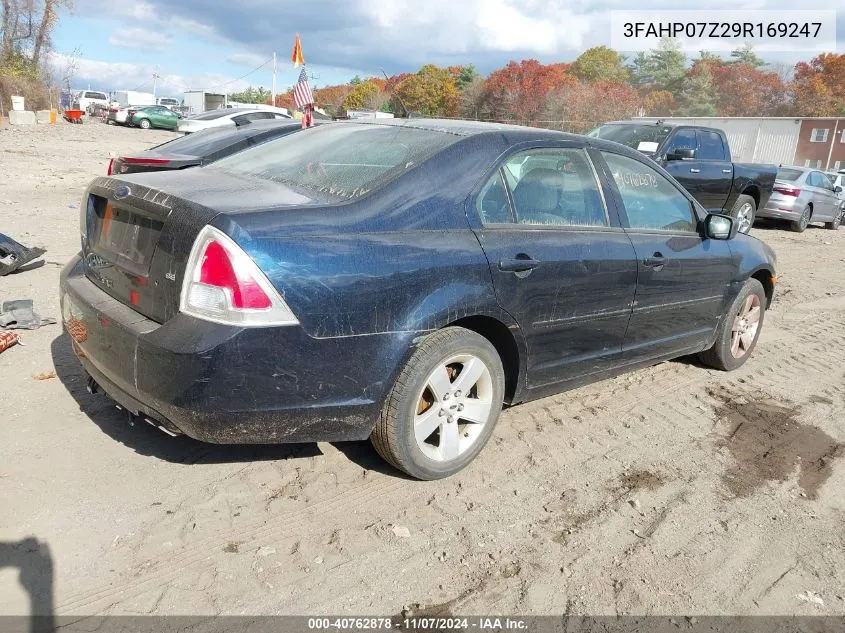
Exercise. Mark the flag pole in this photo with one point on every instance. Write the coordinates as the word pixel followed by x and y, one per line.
pixel 273 103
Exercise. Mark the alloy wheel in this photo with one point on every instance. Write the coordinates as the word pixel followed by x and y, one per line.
pixel 745 217
pixel 745 326
pixel 805 218
pixel 453 407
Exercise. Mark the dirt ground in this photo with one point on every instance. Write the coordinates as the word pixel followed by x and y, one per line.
pixel 672 490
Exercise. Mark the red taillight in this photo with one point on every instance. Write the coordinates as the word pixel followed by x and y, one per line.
pixel 787 190
pixel 217 270
pixel 129 160
pixel 110 170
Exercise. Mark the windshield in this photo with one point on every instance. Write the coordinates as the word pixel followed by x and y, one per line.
pixel 343 160
pixel 645 137
pixel 789 175
pixel 206 142
pixel 210 115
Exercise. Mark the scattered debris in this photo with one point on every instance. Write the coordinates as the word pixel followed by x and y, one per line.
pixel 7 340
pixel 811 598
pixel 634 503
pixel 232 548
pixel 45 375
pixel 20 315
pixel 14 255
pixel 401 531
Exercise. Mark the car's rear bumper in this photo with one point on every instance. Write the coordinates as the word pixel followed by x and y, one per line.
pixel 226 384
pixel 781 208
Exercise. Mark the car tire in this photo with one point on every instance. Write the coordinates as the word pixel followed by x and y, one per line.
pixel 144 124
pixel 834 226
pixel 744 212
pixel 422 431
pixel 739 329
pixel 800 225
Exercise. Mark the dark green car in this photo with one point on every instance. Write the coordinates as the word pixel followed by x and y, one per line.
pixel 153 116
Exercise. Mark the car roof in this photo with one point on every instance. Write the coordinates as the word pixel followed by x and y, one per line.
pixel 672 124
pixel 460 127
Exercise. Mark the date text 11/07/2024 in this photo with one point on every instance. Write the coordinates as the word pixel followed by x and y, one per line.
pixel 490 623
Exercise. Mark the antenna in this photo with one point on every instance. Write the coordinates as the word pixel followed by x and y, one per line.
pixel 393 94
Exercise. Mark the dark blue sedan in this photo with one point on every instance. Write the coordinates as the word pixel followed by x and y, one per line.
pixel 400 281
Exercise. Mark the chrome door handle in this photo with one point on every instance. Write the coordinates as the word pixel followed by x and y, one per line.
pixel 726 171
pixel 693 170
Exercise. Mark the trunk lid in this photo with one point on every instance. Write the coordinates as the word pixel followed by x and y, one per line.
pixel 138 229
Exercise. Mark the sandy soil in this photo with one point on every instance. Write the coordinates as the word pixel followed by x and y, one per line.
pixel 672 490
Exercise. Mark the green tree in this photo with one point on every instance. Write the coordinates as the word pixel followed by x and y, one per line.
pixel 698 93
pixel 464 76
pixel 355 80
pixel 251 95
pixel 746 55
pixel 600 63
pixel 663 68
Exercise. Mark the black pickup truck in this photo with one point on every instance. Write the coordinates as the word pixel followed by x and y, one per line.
pixel 700 159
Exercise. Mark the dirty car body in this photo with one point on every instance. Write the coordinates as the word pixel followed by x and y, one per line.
pixel 369 237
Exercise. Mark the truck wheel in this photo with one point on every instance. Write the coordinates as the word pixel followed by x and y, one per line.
pixel 144 124
pixel 744 211
pixel 800 225
pixel 739 330
pixel 444 405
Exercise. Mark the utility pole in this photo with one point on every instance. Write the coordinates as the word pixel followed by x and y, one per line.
pixel 273 93
pixel 156 77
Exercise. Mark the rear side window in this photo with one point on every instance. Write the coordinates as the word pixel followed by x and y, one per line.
pixel 553 187
pixel 651 201
pixel 710 145
pixel 789 175
pixel 341 160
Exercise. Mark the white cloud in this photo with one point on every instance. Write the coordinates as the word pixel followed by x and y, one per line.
pixel 250 60
pixel 140 39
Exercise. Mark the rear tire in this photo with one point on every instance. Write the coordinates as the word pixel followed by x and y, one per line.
pixel 744 212
pixel 739 329
pixel 144 124
pixel 800 225
pixel 422 430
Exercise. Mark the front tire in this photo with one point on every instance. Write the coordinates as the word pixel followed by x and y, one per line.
pixel 739 330
pixel 444 405
pixel 834 226
pixel 800 225
pixel 144 124
pixel 744 211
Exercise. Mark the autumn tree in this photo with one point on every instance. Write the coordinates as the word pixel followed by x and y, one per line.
pixel 745 90
pixel 366 95
pixel 464 75
pixel 819 86
pixel 579 107
pixel 431 92
pixel 519 90
pixel 600 63
pixel 660 103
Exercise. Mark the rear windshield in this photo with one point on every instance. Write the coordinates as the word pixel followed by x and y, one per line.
pixel 207 142
pixel 789 174
pixel 645 137
pixel 211 115
pixel 95 95
pixel 342 160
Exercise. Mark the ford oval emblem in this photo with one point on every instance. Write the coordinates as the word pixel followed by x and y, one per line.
pixel 122 192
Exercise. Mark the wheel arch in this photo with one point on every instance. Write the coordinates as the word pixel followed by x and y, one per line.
pixel 766 279
pixel 754 192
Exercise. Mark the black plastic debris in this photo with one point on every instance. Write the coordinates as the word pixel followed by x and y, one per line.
pixel 14 255
pixel 20 315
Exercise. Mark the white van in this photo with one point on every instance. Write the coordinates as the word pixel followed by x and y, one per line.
pixel 88 98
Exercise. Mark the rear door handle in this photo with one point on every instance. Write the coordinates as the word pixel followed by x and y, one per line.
pixel 656 261
pixel 726 171
pixel 518 264
pixel 693 170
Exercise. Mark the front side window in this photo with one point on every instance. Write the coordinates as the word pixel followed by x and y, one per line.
pixel 651 201
pixel 711 146
pixel 551 187
pixel 682 139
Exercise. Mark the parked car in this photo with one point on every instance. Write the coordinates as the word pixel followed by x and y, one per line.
pixel 838 180
pixel 399 280
pixel 230 117
pixel 153 116
pixel 86 99
pixel 169 102
pixel 803 195
pixel 700 159
pixel 202 148
pixel 117 114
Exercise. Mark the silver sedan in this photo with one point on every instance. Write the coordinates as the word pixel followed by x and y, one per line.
pixel 802 195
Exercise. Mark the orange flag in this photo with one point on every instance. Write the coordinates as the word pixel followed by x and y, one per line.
pixel 296 57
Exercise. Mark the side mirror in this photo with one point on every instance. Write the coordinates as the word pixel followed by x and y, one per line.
pixel 720 227
pixel 837 189
pixel 681 153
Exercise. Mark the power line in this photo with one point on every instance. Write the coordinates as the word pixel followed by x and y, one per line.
pixel 242 76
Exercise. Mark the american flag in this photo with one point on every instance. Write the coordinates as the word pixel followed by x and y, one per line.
pixel 302 91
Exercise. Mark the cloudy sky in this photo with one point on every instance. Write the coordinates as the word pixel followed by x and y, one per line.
pixel 218 44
